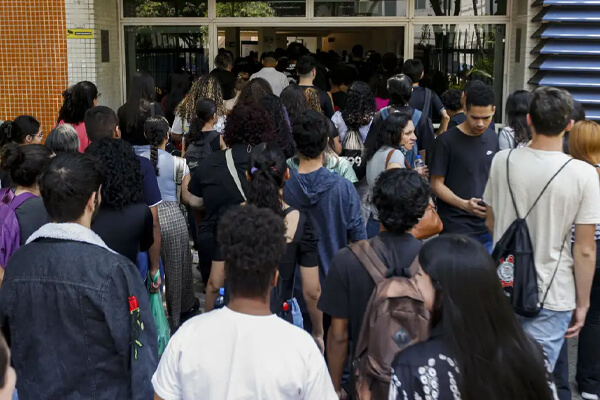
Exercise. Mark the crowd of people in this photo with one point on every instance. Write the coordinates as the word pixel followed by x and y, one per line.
pixel 348 247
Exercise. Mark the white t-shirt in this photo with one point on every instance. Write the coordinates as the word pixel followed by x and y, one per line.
pixel 573 197
pixel 225 355
pixel 182 127
pixel 340 124
pixel 276 79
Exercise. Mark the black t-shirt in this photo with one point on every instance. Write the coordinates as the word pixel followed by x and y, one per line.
pixel 31 216
pixel 227 81
pixel 349 286
pixel 324 99
pixel 301 251
pixel 423 130
pixel 339 99
pixel 134 133
pixel 417 100
pixel 464 161
pixel 212 182
pixel 126 231
pixel 461 117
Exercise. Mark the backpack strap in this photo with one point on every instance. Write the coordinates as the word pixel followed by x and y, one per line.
pixel 512 196
pixel 416 117
pixel 369 259
pixel 233 172
pixel 8 197
pixel 385 113
pixel 427 104
pixel 546 187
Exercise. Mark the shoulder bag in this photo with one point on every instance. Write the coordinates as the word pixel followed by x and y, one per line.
pixel 233 172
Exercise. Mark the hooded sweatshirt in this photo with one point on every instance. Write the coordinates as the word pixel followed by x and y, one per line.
pixel 334 208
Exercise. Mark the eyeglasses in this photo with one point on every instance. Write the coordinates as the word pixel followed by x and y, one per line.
pixel 40 134
pixel 99 95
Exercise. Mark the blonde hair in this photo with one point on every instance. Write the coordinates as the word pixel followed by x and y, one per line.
pixel 205 87
pixel 312 99
pixel 584 142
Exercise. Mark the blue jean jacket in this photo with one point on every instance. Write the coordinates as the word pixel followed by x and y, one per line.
pixel 65 307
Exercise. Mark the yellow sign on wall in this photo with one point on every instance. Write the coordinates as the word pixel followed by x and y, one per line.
pixel 80 33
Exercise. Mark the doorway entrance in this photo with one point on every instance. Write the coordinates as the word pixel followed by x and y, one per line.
pixel 241 41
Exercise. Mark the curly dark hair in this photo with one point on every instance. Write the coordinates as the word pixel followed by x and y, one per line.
pixel 249 124
pixel 283 130
pixel 294 100
pixel 76 101
pixel 360 105
pixel 252 243
pixel 254 91
pixel 401 196
pixel 122 183
pixel 451 99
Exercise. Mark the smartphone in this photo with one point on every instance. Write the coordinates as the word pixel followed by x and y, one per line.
pixel 482 203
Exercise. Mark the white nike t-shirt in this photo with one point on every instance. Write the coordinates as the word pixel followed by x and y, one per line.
pixel 225 355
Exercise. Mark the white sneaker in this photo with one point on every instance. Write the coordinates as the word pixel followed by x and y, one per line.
pixel 589 396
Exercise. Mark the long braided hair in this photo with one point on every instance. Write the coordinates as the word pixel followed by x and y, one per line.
pixel 205 87
pixel 156 129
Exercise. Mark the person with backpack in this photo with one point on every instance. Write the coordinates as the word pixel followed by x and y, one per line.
pixel 243 350
pixel 353 125
pixel 173 177
pixel 477 348
pixel 531 215
pixel 423 98
pixel 460 165
pixel 22 210
pixel 202 139
pixel 361 272
pixel 400 89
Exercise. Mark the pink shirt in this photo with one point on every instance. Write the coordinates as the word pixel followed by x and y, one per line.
pixel 381 103
pixel 84 142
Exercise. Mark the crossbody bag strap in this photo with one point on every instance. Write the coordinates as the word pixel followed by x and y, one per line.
pixel 233 172
pixel 388 158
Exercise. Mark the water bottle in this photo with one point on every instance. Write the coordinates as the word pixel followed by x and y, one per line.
pixel 220 300
pixel 419 164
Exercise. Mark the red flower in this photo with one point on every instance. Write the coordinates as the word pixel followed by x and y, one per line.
pixel 133 303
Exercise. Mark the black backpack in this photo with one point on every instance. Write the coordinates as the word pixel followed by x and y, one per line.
pixel 515 259
pixel 200 149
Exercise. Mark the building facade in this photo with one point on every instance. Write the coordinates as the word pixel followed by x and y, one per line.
pixel 512 44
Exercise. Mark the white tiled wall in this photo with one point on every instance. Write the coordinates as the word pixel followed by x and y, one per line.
pixel 84 55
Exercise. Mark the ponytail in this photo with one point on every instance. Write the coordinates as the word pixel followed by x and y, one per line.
pixel 16 131
pixel 267 170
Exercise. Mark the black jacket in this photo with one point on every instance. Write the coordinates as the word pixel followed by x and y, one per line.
pixel 65 307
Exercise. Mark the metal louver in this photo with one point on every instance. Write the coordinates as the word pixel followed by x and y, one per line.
pixel 568 52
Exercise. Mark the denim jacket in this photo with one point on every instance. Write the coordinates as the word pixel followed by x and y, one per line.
pixel 65 307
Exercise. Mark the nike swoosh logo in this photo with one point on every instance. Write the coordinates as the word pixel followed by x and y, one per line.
pixel 489 152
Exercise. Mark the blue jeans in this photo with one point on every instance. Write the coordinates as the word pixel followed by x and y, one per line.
pixel 486 240
pixel 548 328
